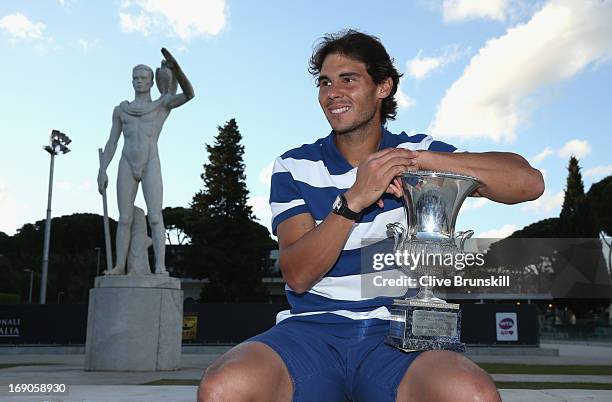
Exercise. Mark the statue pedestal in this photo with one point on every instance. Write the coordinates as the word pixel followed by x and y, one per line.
pixel 134 323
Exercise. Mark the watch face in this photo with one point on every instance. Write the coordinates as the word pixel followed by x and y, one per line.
pixel 337 204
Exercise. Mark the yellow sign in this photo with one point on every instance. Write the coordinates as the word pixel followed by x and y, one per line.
pixel 190 327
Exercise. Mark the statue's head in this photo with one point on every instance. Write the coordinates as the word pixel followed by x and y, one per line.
pixel 142 78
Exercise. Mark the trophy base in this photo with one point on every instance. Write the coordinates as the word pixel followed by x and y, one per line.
pixel 416 326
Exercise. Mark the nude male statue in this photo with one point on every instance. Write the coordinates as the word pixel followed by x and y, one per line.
pixel 141 122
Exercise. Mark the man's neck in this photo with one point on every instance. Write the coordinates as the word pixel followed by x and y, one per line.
pixel 357 145
pixel 142 97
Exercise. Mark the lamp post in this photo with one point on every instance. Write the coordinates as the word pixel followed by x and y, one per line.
pixel 58 142
pixel 31 271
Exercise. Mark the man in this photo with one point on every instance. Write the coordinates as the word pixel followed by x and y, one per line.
pixel 141 122
pixel 325 197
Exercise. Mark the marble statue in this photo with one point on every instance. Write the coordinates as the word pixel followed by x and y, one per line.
pixel 141 122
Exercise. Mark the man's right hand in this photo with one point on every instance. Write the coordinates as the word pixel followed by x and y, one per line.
pixel 102 182
pixel 376 175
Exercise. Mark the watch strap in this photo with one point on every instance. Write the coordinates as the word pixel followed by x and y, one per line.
pixel 345 211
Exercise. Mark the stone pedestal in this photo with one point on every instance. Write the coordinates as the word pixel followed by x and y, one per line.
pixel 134 323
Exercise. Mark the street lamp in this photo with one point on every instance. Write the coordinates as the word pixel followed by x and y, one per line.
pixel 31 271
pixel 58 142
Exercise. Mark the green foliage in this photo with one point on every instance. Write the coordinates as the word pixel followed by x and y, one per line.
pixel 176 220
pixel 72 257
pixel 9 298
pixel 225 192
pixel 581 218
pixel 574 189
pixel 599 203
pixel 576 218
pixel 228 247
pixel 546 228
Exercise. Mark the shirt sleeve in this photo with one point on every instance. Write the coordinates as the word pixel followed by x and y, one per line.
pixel 286 199
pixel 440 146
pixel 426 142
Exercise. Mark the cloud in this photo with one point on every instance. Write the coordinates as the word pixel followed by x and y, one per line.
pixel 499 233
pixel 265 176
pixel 87 45
pixel 546 203
pixel 135 23
pixel 65 185
pixel 474 203
pixel 421 66
pixel 186 19
pixel 261 209
pixel 404 101
pixel 460 10
pixel 546 152
pixel 577 148
pixel 599 171
pixel 19 27
pixel 494 95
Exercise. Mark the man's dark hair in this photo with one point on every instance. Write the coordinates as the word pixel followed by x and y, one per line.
pixel 364 48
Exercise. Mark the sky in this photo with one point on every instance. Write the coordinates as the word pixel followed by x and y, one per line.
pixel 531 77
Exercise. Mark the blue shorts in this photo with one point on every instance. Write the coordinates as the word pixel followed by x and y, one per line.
pixel 335 362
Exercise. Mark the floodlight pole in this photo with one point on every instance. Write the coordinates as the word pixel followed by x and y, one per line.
pixel 58 143
pixel 45 262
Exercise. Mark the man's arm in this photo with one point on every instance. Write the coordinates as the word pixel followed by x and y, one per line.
pixel 177 100
pixel 308 251
pixel 506 177
pixel 109 150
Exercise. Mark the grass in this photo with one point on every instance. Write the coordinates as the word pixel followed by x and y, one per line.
pixel 552 385
pixel 502 368
pixel 10 365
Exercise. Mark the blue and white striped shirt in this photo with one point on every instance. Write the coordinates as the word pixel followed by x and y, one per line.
pixel 308 179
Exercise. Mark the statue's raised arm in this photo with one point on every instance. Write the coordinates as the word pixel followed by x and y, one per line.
pixel 165 83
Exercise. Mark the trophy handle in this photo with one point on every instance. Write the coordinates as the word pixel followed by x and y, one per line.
pixel 398 232
pixel 463 236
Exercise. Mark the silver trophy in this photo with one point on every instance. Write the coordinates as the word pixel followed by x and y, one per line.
pixel 432 201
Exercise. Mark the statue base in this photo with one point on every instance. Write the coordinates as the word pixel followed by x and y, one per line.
pixel 134 324
pixel 419 325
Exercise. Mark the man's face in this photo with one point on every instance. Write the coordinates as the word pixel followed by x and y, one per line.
pixel 349 97
pixel 142 80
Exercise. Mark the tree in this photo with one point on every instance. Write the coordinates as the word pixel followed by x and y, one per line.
pixel 599 200
pixel 576 218
pixel 72 257
pixel 225 193
pixel 176 221
pixel 574 189
pixel 228 247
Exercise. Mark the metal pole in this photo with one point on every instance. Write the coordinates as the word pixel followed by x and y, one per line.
pixel 31 285
pixel 45 262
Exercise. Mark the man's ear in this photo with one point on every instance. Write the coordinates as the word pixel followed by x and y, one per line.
pixel 384 88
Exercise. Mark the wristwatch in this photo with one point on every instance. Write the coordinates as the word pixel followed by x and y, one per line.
pixel 340 207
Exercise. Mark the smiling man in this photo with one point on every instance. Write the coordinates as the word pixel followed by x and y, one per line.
pixel 325 197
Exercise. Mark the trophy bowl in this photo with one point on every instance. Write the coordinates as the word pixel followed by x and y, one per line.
pixel 431 201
